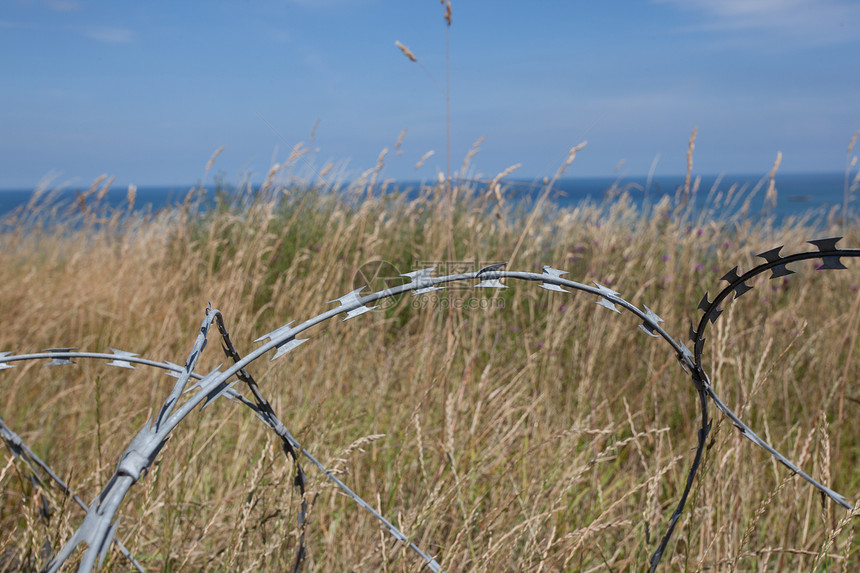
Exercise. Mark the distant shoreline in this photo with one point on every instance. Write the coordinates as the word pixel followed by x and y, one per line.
pixel 797 194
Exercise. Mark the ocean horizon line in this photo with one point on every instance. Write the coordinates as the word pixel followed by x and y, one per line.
pixel 798 194
pixel 536 180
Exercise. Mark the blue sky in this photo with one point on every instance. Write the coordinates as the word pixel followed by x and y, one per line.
pixel 146 91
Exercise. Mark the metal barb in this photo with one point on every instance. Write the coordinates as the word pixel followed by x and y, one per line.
pixel 422 277
pixel 490 268
pixel 686 357
pixel 699 346
pixel 606 303
pixel 772 255
pixel 120 355
pixel 4 365
pixel 358 311
pixel 59 361
pixel 425 290
pixel 552 287
pixel 731 277
pixel 289 345
pixel 704 304
pixel 222 389
pixel 780 271
pixel 604 293
pixel 604 290
pixel 555 273
pixel 277 332
pixel 490 283
pixel 708 307
pixel 831 263
pixel 350 299
pixel 174 370
pixel 204 381
pixel 826 245
pixel 649 325
pixel 741 289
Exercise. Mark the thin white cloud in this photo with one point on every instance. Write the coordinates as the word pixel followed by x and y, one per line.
pixel 815 21
pixel 110 35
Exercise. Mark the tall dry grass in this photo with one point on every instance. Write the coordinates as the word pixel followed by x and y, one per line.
pixel 546 435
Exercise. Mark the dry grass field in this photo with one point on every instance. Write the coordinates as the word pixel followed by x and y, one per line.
pixel 513 430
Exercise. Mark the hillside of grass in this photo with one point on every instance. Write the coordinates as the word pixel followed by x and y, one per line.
pixel 502 430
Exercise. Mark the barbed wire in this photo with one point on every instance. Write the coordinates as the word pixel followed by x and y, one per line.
pixel 99 527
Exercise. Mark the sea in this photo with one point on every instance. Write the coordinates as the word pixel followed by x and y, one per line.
pixel 813 195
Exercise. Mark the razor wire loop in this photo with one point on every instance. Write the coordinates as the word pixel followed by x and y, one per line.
pixel 830 260
pixel 737 283
pixel 21 451
pixel 97 530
